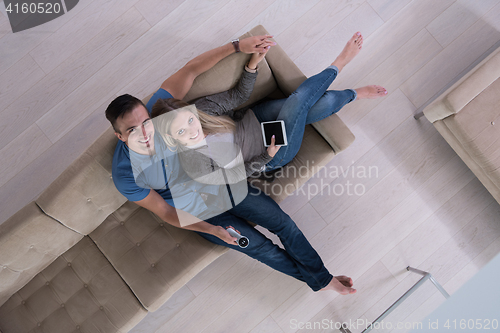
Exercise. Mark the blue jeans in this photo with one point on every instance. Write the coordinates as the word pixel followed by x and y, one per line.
pixel 311 102
pixel 298 259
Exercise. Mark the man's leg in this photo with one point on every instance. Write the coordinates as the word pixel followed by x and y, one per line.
pixel 260 247
pixel 262 210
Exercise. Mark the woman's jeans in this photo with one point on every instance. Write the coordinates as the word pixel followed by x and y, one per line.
pixel 311 102
pixel 298 260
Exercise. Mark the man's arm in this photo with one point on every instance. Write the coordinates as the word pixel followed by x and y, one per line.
pixel 179 83
pixel 155 203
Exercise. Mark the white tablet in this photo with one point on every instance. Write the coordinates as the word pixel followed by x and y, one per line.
pixel 276 128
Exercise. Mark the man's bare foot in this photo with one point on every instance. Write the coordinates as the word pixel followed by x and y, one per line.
pixel 341 284
pixel 351 49
pixel 371 92
pixel 345 280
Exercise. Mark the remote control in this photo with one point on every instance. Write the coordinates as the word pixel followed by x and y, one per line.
pixel 242 240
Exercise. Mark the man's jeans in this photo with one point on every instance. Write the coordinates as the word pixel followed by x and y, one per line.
pixel 311 102
pixel 298 260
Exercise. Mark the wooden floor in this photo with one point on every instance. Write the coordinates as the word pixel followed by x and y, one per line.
pixel 398 196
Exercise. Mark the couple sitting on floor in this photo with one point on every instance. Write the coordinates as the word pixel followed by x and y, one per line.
pixel 188 164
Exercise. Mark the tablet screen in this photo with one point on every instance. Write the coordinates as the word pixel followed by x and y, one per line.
pixel 274 128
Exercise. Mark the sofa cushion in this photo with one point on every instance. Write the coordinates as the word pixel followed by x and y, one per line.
pixel 476 127
pixel 79 292
pixel 29 242
pixel 333 130
pixel 84 194
pixel 153 257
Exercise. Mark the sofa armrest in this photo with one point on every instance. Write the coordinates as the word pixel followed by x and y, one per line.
pixel 466 89
pixel 335 132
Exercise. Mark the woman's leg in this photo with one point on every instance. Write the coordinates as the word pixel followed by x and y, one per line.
pixel 296 107
pixel 294 113
pixel 311 102
pixel 331 102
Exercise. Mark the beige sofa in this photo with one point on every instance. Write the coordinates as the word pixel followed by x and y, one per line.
pixel 468 117
pixel 81 258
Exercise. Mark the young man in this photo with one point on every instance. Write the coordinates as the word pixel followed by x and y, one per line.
pixel 133 126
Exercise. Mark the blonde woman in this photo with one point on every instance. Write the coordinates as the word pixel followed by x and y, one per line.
pixel 197 129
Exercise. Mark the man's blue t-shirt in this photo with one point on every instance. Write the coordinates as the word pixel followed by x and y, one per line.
pixel 123 175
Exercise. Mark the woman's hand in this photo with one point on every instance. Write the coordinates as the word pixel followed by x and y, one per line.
pixel 257 57
pixel 225 236
pixel 273 149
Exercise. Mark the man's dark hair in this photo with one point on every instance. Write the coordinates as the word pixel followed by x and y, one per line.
pixel 119 107
pixel 164 105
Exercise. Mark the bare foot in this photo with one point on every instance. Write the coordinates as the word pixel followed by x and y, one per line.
pixel 351 49
pixel 341 284
pixel 345 280
pixel 371 92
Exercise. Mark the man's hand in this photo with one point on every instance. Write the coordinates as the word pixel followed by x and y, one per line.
pixel 256 44
pixel 225 236
pixel 273 149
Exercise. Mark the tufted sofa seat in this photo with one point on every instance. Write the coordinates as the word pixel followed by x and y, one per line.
pixel 29 242
pixel 81 258
pixel 153 257
pixel 79 292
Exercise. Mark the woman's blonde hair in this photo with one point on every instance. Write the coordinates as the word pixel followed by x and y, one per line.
pixel 165 111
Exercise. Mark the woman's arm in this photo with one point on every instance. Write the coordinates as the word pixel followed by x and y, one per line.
pixel 257 163
pixel 223 103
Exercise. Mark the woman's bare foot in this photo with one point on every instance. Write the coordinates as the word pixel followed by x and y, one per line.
pixel 351 49
pixel 371 92
pixel 341 284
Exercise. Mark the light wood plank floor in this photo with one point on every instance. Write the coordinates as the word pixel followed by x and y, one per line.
pixel 412 201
